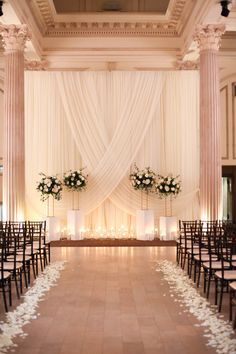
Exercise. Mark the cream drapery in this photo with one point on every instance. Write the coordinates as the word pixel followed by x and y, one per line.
pixel 106 121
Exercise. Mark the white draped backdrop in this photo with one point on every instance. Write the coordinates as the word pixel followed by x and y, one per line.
pixel 105 121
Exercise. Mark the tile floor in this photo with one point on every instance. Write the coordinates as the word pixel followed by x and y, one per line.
pixel 110 301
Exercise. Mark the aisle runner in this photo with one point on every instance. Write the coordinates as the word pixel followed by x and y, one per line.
pixel 26 311
pixel 217 330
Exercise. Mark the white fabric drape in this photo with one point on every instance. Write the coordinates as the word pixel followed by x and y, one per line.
pixel 106 121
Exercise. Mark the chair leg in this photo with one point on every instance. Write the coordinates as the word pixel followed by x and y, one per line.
pixel 199 274
pixel 221 295
pixel 9 291
pixel 204 284
pixel 208 284
pixel 4 295
pixel 230 305
pixel 33 265
pixel 216 291
pixel 17 289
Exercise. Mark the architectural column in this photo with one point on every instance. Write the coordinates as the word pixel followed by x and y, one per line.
pixel 208 38
pixel 14 38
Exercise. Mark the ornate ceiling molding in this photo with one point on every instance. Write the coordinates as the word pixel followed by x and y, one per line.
pixel 105 25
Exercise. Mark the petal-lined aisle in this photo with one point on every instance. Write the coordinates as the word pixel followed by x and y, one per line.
pixel 111 300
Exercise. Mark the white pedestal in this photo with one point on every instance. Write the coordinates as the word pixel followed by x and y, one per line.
pixel 168 228
pixel 145 225
pixel 75 224
pixel 53 228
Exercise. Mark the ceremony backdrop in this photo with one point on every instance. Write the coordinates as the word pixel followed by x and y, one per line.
pixel 106 121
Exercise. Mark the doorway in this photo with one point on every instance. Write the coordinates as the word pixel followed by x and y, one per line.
pixel 228 193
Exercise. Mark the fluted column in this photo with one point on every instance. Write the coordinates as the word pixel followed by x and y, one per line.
pixel 208 38
pixel 14 38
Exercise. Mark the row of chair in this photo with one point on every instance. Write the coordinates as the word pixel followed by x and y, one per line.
pixel 208 249
pixel 23 248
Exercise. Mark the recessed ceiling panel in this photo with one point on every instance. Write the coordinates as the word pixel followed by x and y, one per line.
pixel 73 6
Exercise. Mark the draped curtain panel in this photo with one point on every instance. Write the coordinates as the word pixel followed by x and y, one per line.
pixel 105 121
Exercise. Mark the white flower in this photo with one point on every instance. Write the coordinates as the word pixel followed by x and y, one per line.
pixel 173 189
pixel 167 188
pixel 160 187
pixel 148 181
pixel 138 182
pixel 146 175
pixel 78 183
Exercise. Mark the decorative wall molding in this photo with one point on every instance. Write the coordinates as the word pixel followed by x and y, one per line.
pixel 233 118
pixel 226 117
pixel 187 65
pixel 36 65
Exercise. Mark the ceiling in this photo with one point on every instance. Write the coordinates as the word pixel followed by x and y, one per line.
pixel 119 34
pixel 74 6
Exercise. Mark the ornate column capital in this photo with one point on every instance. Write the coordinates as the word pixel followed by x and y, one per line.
pixel 208 37
pixel 14 37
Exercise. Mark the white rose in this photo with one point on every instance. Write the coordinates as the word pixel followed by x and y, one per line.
pixel 173 189
pixel 73 174
pixel 78 183
pixel 72 183
pixel 146 175
pixel 72 178
pixel 177 185
pixel 167 188
pixel 174 183
pixel 138 182
pixel 82 178
pixel 148 181
pixel 160 187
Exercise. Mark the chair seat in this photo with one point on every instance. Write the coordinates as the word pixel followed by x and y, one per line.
pixel 233 285
pixel 216 265
pixel 10 265
pixel 29 251
pixel 19 258
pixel 205 257
pixel 5 275
pixel 228 275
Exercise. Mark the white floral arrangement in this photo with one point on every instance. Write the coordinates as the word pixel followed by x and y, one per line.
pixel 168 185
pixel 142 179
pixel 49 185
pixel 75 180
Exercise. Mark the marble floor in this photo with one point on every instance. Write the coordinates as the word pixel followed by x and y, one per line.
pixel 110 300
